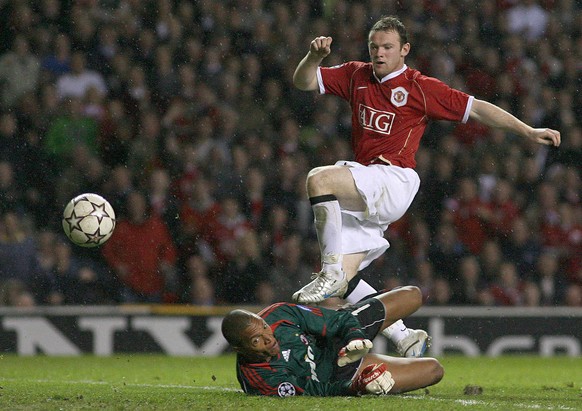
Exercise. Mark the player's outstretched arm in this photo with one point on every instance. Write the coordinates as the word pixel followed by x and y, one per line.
pixel 305 76
pixel 494 116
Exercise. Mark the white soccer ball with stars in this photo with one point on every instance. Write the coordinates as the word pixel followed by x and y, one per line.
pixel 88 220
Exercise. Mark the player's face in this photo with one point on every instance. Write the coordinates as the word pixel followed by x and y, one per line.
pixel 386 52
pixel 258 341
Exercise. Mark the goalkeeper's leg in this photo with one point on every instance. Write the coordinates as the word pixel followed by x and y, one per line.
pixel 409 374
pixel 408 342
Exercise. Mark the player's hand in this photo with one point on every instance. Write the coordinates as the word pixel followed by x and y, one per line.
pixel 546 136
pixel 374 379
pixel 352 352
pixel 320 47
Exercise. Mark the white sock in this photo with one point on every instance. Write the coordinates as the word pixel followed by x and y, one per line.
pixel 396 332
pixel 362 290
pixel 328 226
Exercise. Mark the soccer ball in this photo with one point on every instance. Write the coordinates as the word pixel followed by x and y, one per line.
pixel 88 220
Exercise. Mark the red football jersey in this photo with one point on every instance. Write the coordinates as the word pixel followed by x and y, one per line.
pixel 389 117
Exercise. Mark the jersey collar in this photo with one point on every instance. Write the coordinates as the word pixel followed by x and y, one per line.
pixel 391 75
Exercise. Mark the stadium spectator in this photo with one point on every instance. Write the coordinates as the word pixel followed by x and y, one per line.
pixel 274 230
pixel 531 294
pixel 573 296
pixel 570 246
pixel 11 191
pixel 242 273
pixel 17 249
pixel 502 211
pixel 10 140
pixel 254 195
pixel 424 280
pixel 446 251
pixel 466 289
pixel 76 281
pixel 470 215
pixel 522 247
pixel 142 254
pixel 302 347
pixel 247 82
pixel 229 168
pixel 439 185
pixel 165 76
pixel 69 130
pixel 19 72
pixel 43 262
pixel 545 212
pixel 138 93
pixel 289 268
pixel 224 231
pixel 441 293
pixel 549 278
pixel 490 260
pixel 78 174
pixel 58 61
pixel 507 289
pixel 527 18
pixel 80 79
pixel 161 199
pixel 115 134
pixel 145 150
pixel 15 293
pixel 200 288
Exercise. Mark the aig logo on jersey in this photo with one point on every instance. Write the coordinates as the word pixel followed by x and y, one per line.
pixel 375 120
pixel 399 96
pixel 286 389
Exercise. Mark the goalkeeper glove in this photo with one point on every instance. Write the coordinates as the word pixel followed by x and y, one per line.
pixel 374 379
pixel 352 352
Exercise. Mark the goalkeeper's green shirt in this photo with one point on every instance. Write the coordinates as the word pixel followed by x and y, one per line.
pixel 310 339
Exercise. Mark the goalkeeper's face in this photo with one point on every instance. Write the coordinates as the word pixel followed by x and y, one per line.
pixel 258 342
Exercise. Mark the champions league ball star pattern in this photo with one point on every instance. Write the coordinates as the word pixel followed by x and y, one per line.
pixel 88 220
pixel 286 389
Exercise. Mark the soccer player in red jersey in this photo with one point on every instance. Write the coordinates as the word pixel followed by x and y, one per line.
pixel 355 201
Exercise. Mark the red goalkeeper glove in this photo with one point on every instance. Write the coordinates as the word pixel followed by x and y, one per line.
pixel 374 379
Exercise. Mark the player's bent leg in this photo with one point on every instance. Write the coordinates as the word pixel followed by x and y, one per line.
pixel 400 303
pixel 409 374
pixel 336 180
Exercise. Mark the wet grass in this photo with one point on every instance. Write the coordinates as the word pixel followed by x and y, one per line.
pixel 157 382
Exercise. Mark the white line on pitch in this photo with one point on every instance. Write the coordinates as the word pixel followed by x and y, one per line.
pixel 127 384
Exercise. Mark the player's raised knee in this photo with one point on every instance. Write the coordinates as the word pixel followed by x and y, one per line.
pixel 318 179
pixel 436 370
pixel 413 293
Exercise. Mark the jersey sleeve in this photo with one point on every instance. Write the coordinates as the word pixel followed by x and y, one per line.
pixel 318 321
pixel 443 102
pixel 263 380
pixel 336 80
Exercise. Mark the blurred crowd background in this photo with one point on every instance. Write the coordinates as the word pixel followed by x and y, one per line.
pixel 182 114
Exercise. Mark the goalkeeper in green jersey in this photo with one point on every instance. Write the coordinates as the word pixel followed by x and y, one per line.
pixel 292 349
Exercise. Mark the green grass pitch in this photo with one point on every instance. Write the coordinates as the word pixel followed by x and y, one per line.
pixel 157 382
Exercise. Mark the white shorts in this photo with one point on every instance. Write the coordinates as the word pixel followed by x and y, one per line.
pixel 388 192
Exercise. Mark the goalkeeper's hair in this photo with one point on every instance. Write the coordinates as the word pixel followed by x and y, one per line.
pixel 233 325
